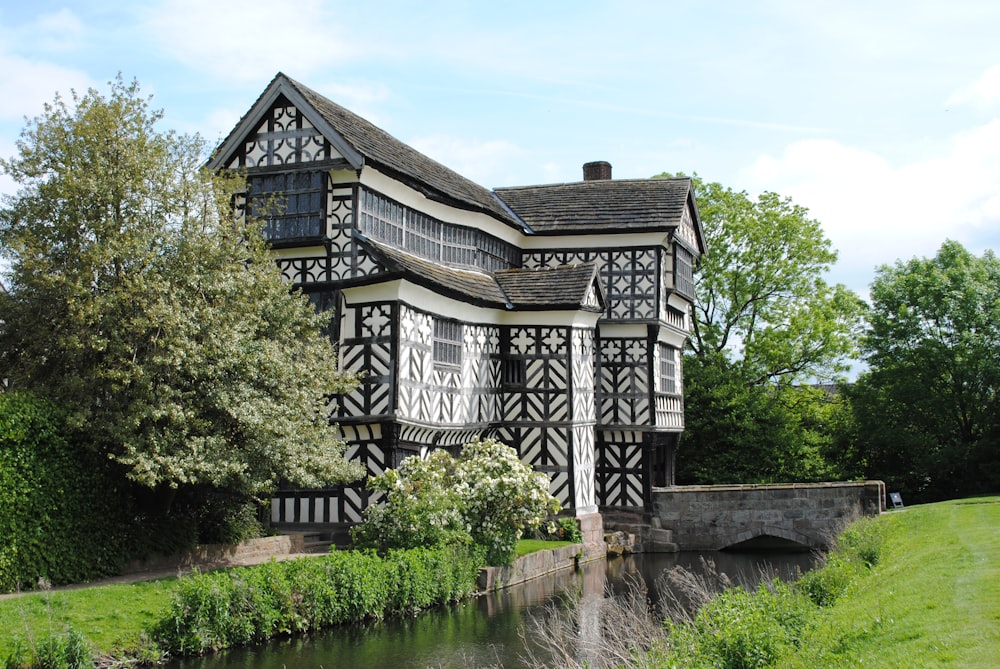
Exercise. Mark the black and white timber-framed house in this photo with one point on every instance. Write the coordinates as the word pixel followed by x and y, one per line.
pixel 551 317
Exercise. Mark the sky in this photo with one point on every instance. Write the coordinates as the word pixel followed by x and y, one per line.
pixel 882 117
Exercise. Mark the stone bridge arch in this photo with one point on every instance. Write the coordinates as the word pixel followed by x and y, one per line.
pixel 788 535
pixel 717 517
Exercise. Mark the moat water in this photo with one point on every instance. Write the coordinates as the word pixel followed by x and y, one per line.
pixel 494 630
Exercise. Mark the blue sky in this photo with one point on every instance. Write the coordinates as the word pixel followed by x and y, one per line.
pixel 880 116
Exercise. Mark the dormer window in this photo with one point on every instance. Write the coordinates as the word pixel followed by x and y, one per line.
pixel 291 204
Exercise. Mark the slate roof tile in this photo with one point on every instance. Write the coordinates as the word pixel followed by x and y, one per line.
pixel 600 206
pixel 383 149
pixel 564 287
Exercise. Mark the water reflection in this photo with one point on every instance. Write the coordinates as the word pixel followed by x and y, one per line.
pixel 488 631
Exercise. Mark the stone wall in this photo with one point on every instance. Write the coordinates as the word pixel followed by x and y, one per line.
pixel 214 556
pixel 539 563
pixel 716 517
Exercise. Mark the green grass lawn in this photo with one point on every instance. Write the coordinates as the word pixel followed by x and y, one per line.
pixel 932 601
pixel 525 546
pixel 109 616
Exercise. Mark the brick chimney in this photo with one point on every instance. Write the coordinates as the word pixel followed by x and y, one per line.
pixel 599 170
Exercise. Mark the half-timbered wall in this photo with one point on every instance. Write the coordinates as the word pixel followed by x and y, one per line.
pixel 368 348
pixel 583 392
pixel 623 381
pixel 630 276
pixel 284 137
pixel 548 406
pixel 618 469
pixel 449 371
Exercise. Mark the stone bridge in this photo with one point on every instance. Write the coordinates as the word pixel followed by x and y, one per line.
pixel 792 515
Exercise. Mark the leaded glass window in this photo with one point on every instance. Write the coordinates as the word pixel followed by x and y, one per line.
pixel 447 345
pixel 291 204
pixel 684 271
pixel 432 239
pixel 667 372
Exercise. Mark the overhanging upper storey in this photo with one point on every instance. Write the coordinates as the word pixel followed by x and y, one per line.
pixel 570 287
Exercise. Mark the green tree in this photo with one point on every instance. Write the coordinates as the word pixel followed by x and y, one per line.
pixel 761 295
pixel 744 432
pixel 765 322
pixel 138 303
pixel 927 411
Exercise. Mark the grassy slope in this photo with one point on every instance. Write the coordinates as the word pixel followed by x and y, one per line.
pixel 932 601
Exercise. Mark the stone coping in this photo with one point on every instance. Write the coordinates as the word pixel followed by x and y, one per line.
pixel 768 486
pixel 531 566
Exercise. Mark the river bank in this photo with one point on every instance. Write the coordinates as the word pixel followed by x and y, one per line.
pixel 931 599
pixel 917 587
pixel 114 616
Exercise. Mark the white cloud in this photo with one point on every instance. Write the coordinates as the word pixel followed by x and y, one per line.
pixel 60 31
pixel 243 40
pixel 875 212
pixel 35 83
pixel 984 93
pixel 487 163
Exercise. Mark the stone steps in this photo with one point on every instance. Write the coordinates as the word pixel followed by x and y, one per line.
pixel 625 538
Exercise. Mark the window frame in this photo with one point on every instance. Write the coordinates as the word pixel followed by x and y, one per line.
pixel 447 345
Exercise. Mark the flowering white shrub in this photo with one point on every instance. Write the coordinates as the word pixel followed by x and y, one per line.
pixel 421 506
pixel 486 496
pixel 501 496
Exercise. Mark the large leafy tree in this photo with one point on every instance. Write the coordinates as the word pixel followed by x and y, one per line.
pixel 138 303
pixel 762 298
pixel 765 322
pixel 927 411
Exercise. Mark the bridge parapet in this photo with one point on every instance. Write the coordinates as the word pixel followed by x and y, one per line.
pixel 809 514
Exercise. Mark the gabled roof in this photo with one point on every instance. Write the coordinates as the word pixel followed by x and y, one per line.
pixel 561 288
pixel 361 142
pixel 601 205
pixel 566 286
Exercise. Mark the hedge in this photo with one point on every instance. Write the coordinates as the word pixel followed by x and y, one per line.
pixel 61 518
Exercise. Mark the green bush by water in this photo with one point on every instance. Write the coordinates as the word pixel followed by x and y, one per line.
pixel 238 607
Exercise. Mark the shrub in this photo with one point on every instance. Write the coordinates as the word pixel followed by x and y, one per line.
pixel 62 518
pixel 500 497
pixel 421 506
pixel 221 610
pixel 486 496
pixel 741 629
pixel 857 548
pixel 560 529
